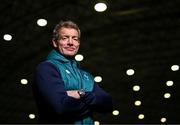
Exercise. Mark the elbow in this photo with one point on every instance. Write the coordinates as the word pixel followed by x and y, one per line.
pixel 103 104
pixel 67 105
pixel 60 106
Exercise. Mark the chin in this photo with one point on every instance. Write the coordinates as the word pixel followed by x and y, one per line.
pixel 69 54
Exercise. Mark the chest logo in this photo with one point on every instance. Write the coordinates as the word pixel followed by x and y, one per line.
pixel 67 71
pixel 86 77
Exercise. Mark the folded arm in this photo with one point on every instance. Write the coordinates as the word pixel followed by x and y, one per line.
pixel 49 87
pixel 98 100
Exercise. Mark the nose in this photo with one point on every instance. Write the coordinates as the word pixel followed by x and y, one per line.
pixel 70 41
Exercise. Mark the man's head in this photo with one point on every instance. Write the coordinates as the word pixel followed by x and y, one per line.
pixel 66 38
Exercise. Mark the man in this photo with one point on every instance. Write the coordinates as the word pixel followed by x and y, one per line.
pixel 64 93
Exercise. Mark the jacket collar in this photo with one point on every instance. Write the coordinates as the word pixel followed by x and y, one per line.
pixel 56 55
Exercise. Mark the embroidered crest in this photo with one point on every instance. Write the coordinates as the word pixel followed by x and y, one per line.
pixel 67 71
pixel 86 77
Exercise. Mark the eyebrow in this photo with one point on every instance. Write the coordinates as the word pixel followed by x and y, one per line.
pixel 69 36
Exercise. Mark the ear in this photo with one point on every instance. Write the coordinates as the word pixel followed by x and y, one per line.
pixel 55 44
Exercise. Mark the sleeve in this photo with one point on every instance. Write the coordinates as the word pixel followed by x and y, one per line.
pixel 99 100
pixel 50 86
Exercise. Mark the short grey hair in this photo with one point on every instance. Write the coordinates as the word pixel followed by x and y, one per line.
pixel 66 24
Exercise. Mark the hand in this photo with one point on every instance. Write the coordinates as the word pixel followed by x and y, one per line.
pixel 73 93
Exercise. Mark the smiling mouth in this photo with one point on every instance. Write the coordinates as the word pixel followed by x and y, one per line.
pixel 70 49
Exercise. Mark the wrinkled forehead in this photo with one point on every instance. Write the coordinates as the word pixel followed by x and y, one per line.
pixel 68 31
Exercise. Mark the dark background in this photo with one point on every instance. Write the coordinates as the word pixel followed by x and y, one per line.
pixel 139 34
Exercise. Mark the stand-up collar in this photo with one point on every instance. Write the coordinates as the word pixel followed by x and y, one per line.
pixel 56 55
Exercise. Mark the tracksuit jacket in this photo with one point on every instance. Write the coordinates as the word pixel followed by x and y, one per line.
pixel 53 78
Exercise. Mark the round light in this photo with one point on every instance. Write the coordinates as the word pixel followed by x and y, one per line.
pixel 24 81
pixel 32 116
pixel 96 123
pixel 137 103
pixel 136 88
pixel 41 22
pixel 79 57
pixel 100 7
pixel 175 67
pixel 167 95
pixel 7 37
pixel 115 112
pixel 130 72
pixel 98 79
pixel 163 120
pixel 141 116
pixel 169 83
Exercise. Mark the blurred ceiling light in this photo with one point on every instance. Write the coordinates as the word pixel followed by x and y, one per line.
pixel 41 22
pixel 167 95
pixel 79 57
pixel 169 83
pixel 100 7
pixel 163 120
pixel 7 37
pixel 175 67
pixel 137 103
pixel 141 116
pixel 115 112
pixel 24 81
pixel 98 79
pixel 32 116
pixel 96 123
pixel 130 72
pixel 136 88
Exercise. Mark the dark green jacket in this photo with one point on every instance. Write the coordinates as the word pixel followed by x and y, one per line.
pixel 53 78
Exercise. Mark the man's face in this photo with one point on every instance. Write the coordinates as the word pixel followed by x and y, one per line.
pixel 68 44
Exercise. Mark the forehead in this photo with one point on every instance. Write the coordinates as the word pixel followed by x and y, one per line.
pixel 68 31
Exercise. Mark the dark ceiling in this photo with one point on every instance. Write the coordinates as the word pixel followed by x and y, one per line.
pixel 139 34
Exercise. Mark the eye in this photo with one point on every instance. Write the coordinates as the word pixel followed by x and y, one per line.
pixel 64 38
pixel 76 39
